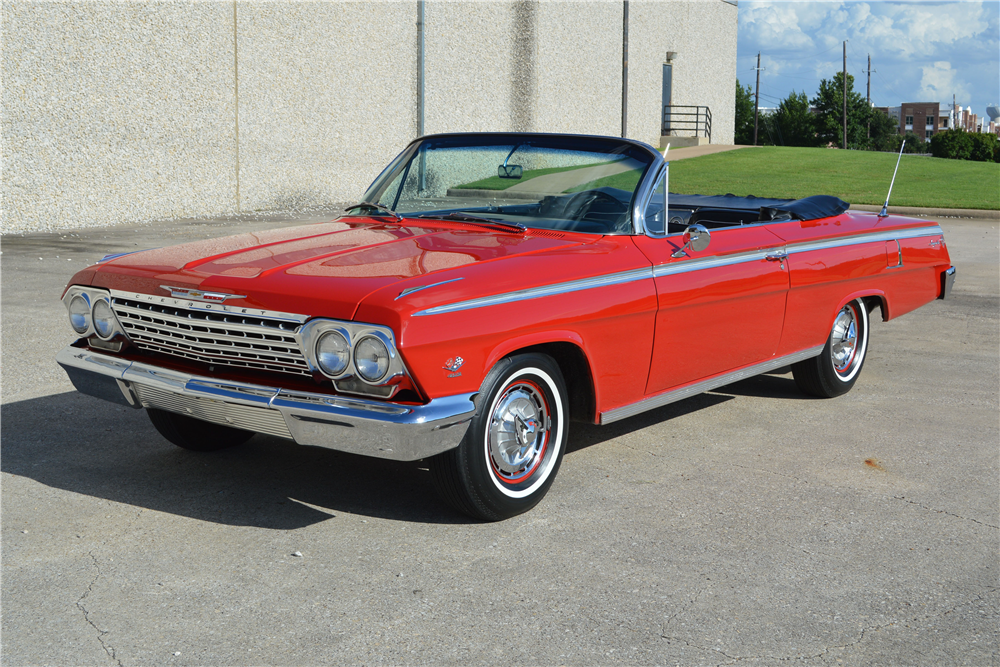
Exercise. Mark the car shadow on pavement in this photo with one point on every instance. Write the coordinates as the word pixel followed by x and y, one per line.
pixel 84 445
pixel 587 435
pixel 770 385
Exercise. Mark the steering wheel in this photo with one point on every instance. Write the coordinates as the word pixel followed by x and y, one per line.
pixel 581 205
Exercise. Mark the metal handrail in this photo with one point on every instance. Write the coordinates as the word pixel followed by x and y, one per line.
pixel 695 119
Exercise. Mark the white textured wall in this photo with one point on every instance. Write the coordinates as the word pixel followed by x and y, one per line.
pixel 118 112
pixel 703 34
pixel 478 66
pixel 327 98
pixel 580 68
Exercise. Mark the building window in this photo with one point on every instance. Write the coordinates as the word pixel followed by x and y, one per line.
pixel 930 121
pixel 944 122
pixel 928 134
pixel 909 120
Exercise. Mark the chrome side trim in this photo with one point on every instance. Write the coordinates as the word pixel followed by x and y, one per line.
pixel 210 307
pixel 411 290
pixel 538 292
pixel 377 428
pixel 673 395
pixel 686 266
pixel 872 237
pixel 679 267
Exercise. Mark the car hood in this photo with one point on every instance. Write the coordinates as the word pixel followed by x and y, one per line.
pixel 324 269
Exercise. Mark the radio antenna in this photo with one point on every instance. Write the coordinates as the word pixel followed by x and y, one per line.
pixel 885 207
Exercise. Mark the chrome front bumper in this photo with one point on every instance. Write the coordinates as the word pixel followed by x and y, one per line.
pixel 355 425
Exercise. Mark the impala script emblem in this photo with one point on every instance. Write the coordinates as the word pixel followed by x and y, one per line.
pixel 199 295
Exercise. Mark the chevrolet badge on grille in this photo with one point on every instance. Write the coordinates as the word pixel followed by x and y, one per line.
pixel 199 295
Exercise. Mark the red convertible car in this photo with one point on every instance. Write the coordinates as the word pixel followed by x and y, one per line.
pixel 489 290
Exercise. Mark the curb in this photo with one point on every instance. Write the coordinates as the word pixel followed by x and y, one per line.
pixel 981 214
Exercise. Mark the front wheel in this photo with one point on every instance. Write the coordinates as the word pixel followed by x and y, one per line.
pixel 836 369
pixel 514 445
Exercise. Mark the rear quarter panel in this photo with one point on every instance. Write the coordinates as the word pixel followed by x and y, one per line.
pixel 823 280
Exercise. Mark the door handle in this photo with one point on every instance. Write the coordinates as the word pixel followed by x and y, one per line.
pixel 778 256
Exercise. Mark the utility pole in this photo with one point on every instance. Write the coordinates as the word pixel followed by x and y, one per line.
pixel 844 74
pixel 625 69
pixel 869 96
pixel 756 101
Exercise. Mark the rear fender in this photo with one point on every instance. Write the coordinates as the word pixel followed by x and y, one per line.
pixel 872 297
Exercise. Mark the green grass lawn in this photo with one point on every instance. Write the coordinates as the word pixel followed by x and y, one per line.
pixel 858 177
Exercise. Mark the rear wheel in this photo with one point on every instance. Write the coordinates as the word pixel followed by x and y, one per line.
pixel 514 445
pixel 194 434
pixel 836 369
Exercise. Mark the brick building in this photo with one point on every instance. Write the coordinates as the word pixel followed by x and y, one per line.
pixel 924 118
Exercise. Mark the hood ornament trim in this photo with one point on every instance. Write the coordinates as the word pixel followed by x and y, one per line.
pixel 200 295
pixel 411 290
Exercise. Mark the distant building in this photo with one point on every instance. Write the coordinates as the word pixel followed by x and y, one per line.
pixel 967 120
pixel 925 119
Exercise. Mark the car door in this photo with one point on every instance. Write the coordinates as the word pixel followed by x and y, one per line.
pixel 719 309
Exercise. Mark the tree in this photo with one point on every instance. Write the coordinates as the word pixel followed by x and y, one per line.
pixel 914 143
pixel 984 147
pixel 796 125
pixel 743 132
pixel 884 132
pixel 952 144
pixel 829 103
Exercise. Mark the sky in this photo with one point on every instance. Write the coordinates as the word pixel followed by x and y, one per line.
pixel 921 51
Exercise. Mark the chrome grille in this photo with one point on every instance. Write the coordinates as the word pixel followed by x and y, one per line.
pixel 226 339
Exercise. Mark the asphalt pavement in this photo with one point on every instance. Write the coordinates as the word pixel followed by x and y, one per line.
pixel 750 525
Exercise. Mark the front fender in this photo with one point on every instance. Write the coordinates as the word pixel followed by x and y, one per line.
pixel 530 340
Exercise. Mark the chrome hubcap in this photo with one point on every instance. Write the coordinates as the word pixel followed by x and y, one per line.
pixel 844 339
pixel 518 432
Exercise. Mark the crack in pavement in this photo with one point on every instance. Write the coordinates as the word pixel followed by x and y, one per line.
pixel 86 614
pixel 683 610
pixel 957 516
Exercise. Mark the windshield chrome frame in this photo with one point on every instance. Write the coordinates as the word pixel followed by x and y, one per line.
pixel 644 194
pixel 639 198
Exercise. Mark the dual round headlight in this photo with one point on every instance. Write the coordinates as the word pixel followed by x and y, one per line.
pixel 333 353
pixel 104 319
pixel 370 355
pixel 83 315
pixel 79 314
pixel 371 358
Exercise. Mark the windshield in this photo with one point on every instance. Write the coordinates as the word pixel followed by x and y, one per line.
pixel 584 184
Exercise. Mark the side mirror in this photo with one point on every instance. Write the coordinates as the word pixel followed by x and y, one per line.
pixel 510 171
pixel 696 237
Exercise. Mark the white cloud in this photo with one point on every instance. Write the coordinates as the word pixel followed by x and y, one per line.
pixel 769 23
pixel 939 82
pixel 920 50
